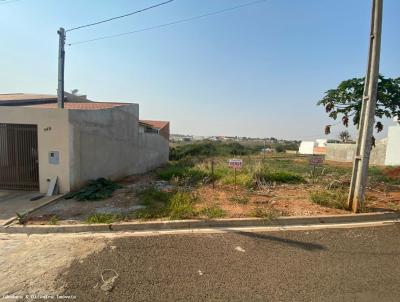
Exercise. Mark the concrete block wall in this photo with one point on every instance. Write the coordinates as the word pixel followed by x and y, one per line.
pixel 346 152
pixel 107 143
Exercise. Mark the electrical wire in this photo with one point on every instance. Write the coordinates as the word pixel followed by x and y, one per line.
pixel 171 23
pixel 119 17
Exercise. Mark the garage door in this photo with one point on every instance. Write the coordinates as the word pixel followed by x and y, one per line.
pixel 19 168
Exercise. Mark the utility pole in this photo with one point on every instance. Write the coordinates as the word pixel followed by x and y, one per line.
pixel 265 145
pixel 367 117
pixel 61 60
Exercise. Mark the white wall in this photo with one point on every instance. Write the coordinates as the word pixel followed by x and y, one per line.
pixel 53 135
pixel 306 147
pixel 393 146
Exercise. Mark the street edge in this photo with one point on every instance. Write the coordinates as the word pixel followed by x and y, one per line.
pixel 202 224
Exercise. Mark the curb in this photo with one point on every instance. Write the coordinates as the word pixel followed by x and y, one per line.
pixel 201 224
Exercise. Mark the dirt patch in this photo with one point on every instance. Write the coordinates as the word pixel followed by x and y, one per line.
pixel 287 200
pixel 393 173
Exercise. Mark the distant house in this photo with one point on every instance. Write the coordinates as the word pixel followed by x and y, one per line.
pixel 159 127
pixel 313 147
pixel 85 140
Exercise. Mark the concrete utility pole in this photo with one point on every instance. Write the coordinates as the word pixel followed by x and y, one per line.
pixel 367 117
pixel 61 59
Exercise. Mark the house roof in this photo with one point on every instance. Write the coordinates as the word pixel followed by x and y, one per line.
pixel 155 124
pixel 80 106
pixel 25 98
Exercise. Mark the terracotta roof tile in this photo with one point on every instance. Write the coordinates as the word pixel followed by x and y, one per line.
pixel 155 124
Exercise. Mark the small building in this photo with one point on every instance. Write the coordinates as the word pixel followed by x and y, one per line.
pixel 85 140
pixel 313 147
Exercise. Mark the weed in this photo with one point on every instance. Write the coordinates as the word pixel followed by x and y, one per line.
pixel 280 177
pixel 213 212
pixel 159 204
pixel 98 189
pixel 22 218
pixel 103 218
pixel 239 199
pixel 53 220
pixel 181 206
pixel 243 179
pixel 390 175
pixel 151 196
pixel 336 199
pixel 156 204
pixel 267 214
pixel 182 174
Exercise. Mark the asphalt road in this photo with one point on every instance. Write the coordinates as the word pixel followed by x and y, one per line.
pixel 361 264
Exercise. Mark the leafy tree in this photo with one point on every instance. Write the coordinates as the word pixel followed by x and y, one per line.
pixel 346 101
pixel 344 136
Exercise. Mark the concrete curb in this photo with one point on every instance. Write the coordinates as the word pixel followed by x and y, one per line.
pixel 201 224
pixel 9 221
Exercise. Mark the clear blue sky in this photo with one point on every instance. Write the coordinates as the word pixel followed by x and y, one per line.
pixel 257 71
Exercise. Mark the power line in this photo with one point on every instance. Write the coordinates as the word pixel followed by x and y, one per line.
pixel 171 23
pixel 122 16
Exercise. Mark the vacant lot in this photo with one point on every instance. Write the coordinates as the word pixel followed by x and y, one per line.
pixel 205 187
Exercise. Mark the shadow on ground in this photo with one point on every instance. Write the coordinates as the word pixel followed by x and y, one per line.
pixel 309 246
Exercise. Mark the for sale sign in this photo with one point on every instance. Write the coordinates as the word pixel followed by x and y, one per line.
pixel 316 160
pixel 235 163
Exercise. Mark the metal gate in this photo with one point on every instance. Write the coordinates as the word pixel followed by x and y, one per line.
pixel 19 168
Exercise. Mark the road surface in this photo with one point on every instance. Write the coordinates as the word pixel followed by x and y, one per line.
pixel 358 264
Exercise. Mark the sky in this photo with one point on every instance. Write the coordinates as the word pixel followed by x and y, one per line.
pixel 257 71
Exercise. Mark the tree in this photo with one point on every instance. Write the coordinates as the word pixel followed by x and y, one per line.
pixel 344 136
pixel 346 101
pixel 280 149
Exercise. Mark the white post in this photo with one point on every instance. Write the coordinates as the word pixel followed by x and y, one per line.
pixel 367 117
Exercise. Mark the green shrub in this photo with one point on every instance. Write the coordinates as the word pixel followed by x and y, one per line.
pixel 98 189
pixel 279 177
pixel 213 212
pixel 103 218
pixel 151 195
pixel 159 204
pixel 181 206
pixel 184 174
pixel 336 199
pixel 155 201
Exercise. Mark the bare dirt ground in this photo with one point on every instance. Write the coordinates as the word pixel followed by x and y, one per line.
pixel 283 199
pixel 288 200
